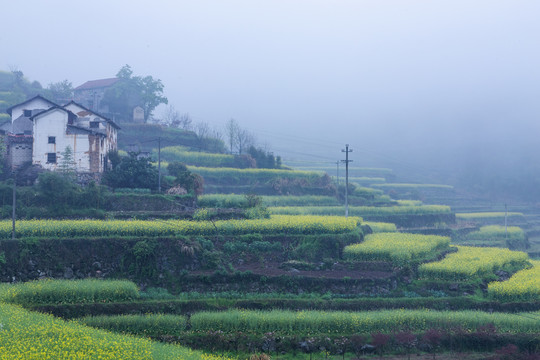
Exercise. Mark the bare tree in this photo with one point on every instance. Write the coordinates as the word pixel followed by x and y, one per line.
pixel 202 130
pixel 244 139
pixel 216 133
pixel 185 121
pixel 173 118
pixel 231 131
pixel 170 116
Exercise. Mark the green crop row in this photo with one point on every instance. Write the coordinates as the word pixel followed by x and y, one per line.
pixel 381 227
pixel 367 196
pixel 365 180
pixel 400 249
pixel 306 200
pixel 470 262
pixel 179 153
pixel 384 321
pixel 240 201
pixel 225 201
pixel 274 225
pixel 247 176
pixel 522 286
pixel 68 291
pixel 367 192
pixel 27 335
pixel 488 215
pixel 363 211
pixel 413 186
pixel 409 202
pixel 511 237
pixel 497 232
pixel 141 325
pixel 353 171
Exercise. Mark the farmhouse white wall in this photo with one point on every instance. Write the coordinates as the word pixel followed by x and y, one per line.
pixel 36 103
pixel 109 143
pixel 54 123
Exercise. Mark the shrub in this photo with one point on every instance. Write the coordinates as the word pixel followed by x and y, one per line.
pixel 193 183
pixel 258 212
pixel 264 159
pixel 58 190
pixel 132 172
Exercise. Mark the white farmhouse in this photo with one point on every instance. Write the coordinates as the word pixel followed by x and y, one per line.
pixel 40 131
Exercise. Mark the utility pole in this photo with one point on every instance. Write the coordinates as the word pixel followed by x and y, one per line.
pixel 337 174
pixel 159 164
pixel 14 205
pixel 505 221
pixel 337 180
pixel 346 161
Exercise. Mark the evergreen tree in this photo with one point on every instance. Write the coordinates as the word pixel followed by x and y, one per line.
pixel 67 165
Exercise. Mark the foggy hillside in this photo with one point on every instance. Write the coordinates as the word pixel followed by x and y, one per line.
pixel 445 92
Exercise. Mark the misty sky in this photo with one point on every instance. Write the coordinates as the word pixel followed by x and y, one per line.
pixel 425 83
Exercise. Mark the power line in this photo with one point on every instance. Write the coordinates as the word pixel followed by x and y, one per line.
pixel 159 165
pixel 328 144
pixel 323 145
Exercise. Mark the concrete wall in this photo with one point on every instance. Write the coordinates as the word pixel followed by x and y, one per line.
pixel 20 153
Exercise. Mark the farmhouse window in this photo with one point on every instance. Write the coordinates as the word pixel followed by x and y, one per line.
pixel 52 139
pixel 27 113
pixel 51 158
pixel 94 124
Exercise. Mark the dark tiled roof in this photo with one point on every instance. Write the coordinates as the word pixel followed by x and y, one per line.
pixel 9 109
pixel 21 125
pixel 94 84
pixel 71 115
